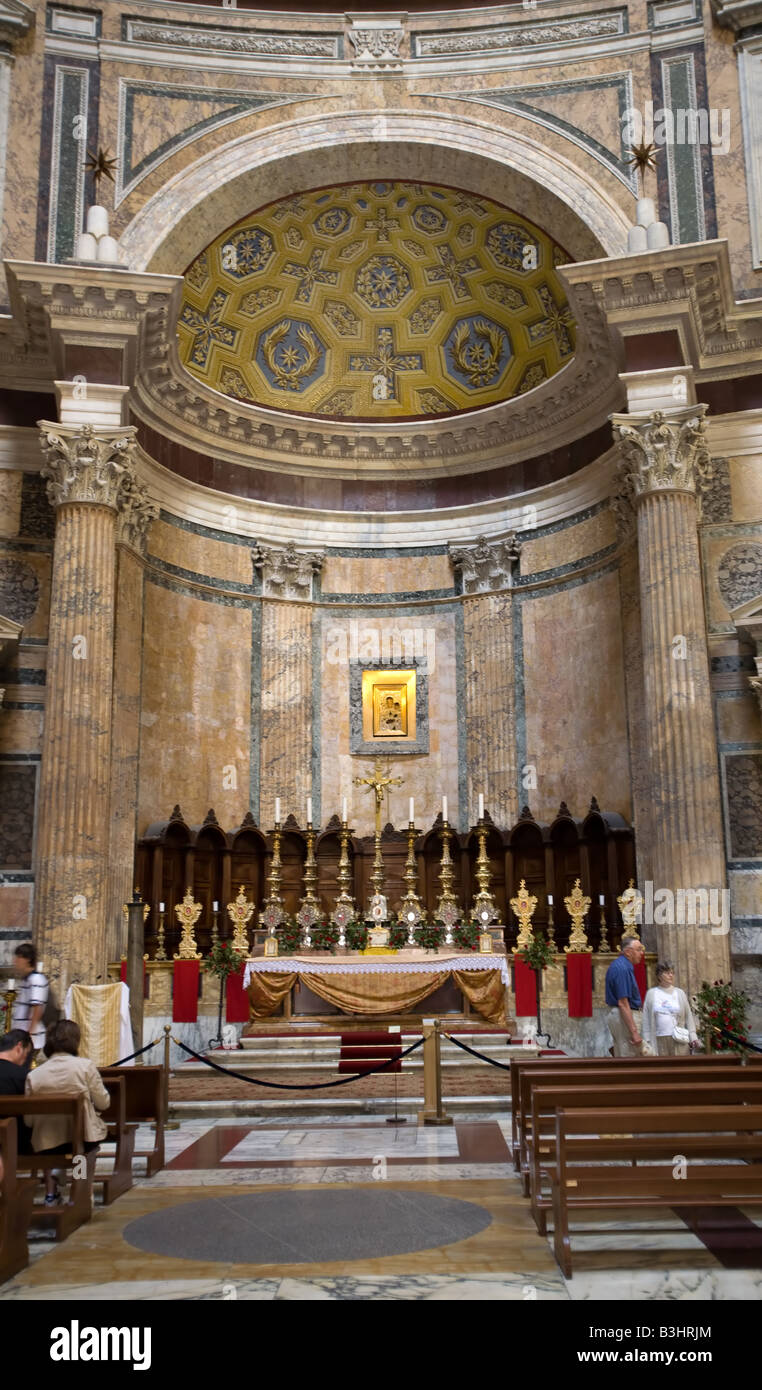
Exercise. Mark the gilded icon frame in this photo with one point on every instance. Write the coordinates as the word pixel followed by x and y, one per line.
pixel 389 706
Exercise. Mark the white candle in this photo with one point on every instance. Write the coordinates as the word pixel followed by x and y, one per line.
pixel 601 899
pixel 39 966
pixel 344 810
pixel 444 808
pixel 550 899
pixel 411 812
pixel 215 906
pixel 481 806
pixel 161 907
pixel 11 985
pixel 309 810
pixel 277 810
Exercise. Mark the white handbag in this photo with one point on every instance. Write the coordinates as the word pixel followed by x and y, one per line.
pixel 680 1035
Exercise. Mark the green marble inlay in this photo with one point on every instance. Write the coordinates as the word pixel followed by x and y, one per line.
pixel 68 162
pixel 683 160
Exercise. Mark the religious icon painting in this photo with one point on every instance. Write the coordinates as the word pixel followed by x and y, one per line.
pixel 388 705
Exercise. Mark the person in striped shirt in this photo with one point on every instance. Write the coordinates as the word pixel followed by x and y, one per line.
pixel 32 994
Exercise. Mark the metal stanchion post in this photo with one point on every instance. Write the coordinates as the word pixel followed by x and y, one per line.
pixel 433 1112
pixel 168 1124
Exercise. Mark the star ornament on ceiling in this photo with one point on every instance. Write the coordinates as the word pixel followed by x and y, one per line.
pixel 100 165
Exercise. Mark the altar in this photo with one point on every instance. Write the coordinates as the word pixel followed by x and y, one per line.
pixel 379 985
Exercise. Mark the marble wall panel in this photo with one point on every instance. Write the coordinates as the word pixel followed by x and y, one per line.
pixel 10 503
pixel 17 794
pixel 286 719
pixel 21 730
pixel 576 723
pixel 15 911
pixel 392 574
pixel 568 544
pixel 490 713
pixel 746 488
pixel 738 720
pixel 17 235
pixel 426 777
pixel 729 166
pixel 743 775
pixel 201 555
pixel 746 892
pixel 195 708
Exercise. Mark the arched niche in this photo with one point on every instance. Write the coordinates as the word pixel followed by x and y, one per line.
pixel 525 860
pixel 327 854
pixel 563 836
pixel 293 852
pixel 247 859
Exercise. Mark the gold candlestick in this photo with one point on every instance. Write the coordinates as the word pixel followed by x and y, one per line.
pixel 411 910
pixel 484 904
pixel 447 909
pixel 188 913
pixel 309 913
pixel 551 926
pixel 215 928
pixel 10 999
pixel 629 906
pixel 577 905
pixel 240 913
pixel 523 905
pixel 604 944
pixel 344 909
pixel 160 953
pixel 273 912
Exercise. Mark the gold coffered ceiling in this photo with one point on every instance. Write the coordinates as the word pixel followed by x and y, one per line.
pixel 376 301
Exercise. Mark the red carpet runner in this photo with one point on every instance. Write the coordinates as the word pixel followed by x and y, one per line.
pixel 361 1052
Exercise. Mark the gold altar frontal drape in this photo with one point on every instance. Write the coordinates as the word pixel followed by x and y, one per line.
pixel 386 993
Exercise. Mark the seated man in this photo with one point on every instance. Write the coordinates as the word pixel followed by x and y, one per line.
pixel 16 1050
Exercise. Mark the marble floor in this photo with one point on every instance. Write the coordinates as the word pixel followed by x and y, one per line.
pixel 664 1257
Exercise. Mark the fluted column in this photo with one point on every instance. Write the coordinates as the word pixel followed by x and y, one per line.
pixel 135 515
pixel 87 469
pixel 664 461
pixel 286 747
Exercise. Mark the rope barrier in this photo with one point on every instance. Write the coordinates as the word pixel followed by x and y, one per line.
pixel 504 1066
pixel 741 1042
pixel 133 1055
pixel 310 1086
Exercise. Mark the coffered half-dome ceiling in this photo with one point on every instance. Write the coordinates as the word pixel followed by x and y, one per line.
pixel 376 301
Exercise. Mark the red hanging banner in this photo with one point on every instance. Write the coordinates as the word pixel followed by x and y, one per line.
pixel 526 989
pixel 185 991
pixel 579 984
pixel 642 979
pixel 236 999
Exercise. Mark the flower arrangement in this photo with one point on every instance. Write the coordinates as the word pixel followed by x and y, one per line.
pixel 397 935
pixel 356 936
pixel 325 937
pixel 429 935
pixel 289 936
pixel 719 1005
pixel 223 960
pixel 466 936
pixel 539 954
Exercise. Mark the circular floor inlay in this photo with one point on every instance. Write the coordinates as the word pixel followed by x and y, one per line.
pixel 306 1227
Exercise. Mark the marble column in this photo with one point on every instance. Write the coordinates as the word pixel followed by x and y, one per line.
pixel 286 747
pixel 133 521
pixel 490 714
pixel 87 469
pixel 664 462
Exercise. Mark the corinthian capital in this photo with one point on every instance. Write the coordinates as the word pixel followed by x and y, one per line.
pixel 136 512
pixel 663 452
pixel 86 464
pixel 287 572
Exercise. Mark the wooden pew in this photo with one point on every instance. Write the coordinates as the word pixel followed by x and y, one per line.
pixel 78 1209
pixel 16 1198
pixel 144 1104
pixel 732 1090
pixel 596 1154
pixel 121 1133
pixel 521 1065
pixel 603 1076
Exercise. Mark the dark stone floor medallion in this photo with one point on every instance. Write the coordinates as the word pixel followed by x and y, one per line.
pixel 306 1227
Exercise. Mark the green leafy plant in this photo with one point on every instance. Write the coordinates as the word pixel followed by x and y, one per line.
pixel 223 960
pixel 466 936
pixel 325 937
pixel 539 954
pixel 356 935
pixel 429 935
pixel 289 936
pixel 718 1006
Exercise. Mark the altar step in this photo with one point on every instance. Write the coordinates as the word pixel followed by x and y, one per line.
pixel 379 1106
pixel 321 1054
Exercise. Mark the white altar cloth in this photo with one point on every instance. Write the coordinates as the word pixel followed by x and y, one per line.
pixel 404 963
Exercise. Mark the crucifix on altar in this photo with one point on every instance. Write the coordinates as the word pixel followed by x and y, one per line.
pixel 379 782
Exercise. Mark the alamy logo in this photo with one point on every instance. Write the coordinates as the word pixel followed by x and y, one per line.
pixel 75 1343
pixel 683 126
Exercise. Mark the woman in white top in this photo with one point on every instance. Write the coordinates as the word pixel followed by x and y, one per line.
pixel 666 1009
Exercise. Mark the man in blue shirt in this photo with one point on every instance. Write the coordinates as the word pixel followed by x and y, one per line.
pixel 623 999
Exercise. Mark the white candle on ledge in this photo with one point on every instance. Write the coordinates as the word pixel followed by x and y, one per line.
pixel 481 806
pixel 411 812
pixel 344 810
pixel 215 906
pixel 277 810
pixel 309 810
pixel 601 899
pixel 550 899
pixel 11 986
pixel 161 907
pixel 444 808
